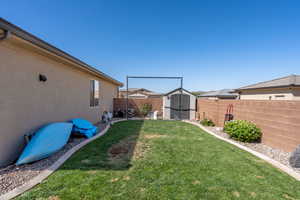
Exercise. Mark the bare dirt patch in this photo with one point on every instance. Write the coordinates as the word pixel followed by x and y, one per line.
pixel 236 194
pixel 288 197
pixel 253 194
pixel 260 177
pixel 92 172
pixel 114 180
pixel 153 136
pixel 127 149
pixel 196 182
pixel 140 150
pixel 53 198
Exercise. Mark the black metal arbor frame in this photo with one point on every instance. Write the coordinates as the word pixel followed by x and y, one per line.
pixel 153 77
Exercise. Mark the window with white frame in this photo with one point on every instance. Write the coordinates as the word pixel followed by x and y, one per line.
pixel 94 93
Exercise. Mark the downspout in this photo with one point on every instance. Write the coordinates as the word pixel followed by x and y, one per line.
pixel 4 35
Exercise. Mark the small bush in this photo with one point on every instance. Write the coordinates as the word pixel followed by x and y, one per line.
pixel 146 108
pixel 207 122
pixel 242 130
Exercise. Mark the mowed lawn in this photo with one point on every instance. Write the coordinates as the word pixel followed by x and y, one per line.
pixel 164 160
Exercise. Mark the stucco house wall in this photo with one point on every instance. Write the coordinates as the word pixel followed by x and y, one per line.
pixel 26 104
pixel 271 94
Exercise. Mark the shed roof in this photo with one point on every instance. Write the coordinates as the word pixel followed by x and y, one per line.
pixel 177 90
pixel 15 30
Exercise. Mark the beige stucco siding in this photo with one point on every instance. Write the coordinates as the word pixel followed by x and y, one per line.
pixel 273 94
pixel 27 104
pixel 108 91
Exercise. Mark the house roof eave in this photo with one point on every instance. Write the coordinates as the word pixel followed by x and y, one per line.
pixel 20 33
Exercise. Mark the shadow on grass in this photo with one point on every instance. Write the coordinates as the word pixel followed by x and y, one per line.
pixel 113 151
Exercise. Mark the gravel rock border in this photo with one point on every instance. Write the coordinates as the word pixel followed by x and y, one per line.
pixel 276 154
pixel 287 169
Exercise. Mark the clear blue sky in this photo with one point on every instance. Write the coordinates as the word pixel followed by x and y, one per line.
pixel 213 44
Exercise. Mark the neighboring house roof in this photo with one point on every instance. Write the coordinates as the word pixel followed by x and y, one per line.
pixel 143 90
pixel 137 95
pixel 197 93
pixel 153 93
pixel 177 90
pixel 219 93
pixel 13 29
pixel 287 81
pixel 134 90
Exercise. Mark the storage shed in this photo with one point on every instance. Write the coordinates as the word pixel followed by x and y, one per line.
pixel 179 104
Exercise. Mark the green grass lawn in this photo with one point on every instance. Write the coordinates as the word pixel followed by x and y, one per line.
pixel 164 160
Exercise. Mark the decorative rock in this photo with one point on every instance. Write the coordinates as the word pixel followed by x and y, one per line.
pixel 273 153
pixel 219 128
pixel 295 158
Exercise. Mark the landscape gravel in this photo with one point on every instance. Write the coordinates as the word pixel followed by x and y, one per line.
pixel 276 154
pixel 14 176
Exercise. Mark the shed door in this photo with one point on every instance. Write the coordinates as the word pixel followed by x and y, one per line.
pixel 175 106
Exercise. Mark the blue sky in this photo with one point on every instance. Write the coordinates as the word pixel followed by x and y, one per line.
pixel 212 44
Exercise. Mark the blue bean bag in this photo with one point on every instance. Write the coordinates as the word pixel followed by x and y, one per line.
pixel 84 127
pixel 82 123
pixel 86 132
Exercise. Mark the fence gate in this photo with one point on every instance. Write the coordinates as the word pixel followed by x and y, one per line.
pixel 180 111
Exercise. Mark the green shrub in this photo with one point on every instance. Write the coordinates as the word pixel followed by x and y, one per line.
pixel 242 130
pixel 146 108
pixel 207 122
